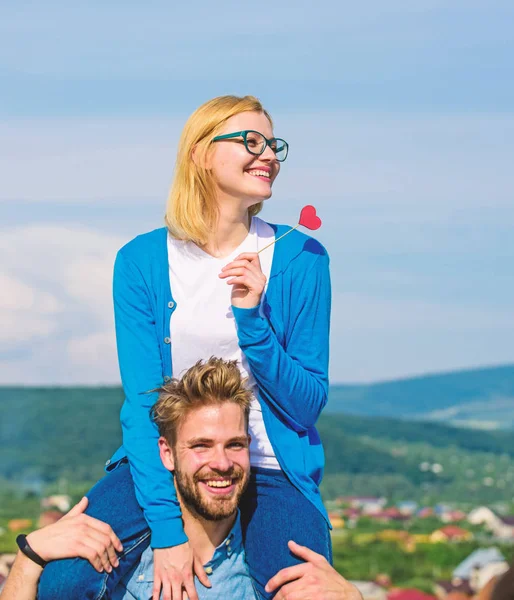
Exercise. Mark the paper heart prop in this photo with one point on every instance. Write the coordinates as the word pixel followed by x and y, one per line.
pixel 309 218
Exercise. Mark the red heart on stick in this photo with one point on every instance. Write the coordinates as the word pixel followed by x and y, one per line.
pixel 309 218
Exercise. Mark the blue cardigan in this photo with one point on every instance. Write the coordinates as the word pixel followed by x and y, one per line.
pixel 286 342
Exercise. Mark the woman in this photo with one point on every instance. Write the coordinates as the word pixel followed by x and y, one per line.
pixel 198 288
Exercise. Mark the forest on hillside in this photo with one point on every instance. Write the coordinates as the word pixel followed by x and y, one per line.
pixel 50 435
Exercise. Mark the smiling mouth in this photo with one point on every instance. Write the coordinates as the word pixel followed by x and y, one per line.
pixel 218 483
pixel 219 486
pixel 258 173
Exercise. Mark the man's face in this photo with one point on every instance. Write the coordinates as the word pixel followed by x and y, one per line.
pixel 210 459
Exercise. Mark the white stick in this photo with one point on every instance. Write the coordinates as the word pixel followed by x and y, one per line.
pixel 275 241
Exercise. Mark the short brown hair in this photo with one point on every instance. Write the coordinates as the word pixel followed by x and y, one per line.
pixel 211 382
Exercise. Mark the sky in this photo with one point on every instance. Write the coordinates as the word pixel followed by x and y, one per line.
pixel 400 119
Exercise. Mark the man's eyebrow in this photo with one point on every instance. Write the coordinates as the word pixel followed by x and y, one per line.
pixel 199 440
pixel 242 439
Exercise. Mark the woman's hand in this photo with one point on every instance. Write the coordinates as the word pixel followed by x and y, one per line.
pixel 78 535
pixel 247 279
pixel 173 571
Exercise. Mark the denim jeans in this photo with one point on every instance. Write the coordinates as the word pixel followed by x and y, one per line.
pixel 273 511
pixel 112 500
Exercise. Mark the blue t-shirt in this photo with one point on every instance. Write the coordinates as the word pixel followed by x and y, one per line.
pixel 227 571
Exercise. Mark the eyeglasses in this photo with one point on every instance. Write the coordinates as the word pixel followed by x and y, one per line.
pixel 255 143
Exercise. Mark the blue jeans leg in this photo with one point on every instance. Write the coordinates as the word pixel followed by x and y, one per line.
pixel 113 501
pixel 273 512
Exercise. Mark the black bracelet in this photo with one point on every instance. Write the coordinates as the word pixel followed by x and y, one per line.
pixel 23 545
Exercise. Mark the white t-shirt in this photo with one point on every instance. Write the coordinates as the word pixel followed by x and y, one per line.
pixel 203 324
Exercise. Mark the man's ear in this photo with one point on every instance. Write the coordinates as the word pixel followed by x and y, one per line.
pixel 166 454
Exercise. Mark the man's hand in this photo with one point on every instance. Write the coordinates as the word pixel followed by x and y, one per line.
pixel 315 579
pixel 173 572
pixel 246 278
pixel 78 535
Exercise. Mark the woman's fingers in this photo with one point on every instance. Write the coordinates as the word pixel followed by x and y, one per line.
pixel 176 588
pixel 235 264
pixel 172 586
pixel 252 265
pixel 250 256
pixel 200 573
pixel 257 280
pixel 234 272
pixel 189 586
pixel 156 591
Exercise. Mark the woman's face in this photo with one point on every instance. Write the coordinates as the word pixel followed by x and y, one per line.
pixel 238 173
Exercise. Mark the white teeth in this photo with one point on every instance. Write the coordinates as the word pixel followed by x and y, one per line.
pixel 261 173
pixel 218 484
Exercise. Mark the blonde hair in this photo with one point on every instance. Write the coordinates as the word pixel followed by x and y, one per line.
pixel 192 211
pixel 214 381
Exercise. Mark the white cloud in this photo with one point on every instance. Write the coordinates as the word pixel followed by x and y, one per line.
pixel 89 281
pixel 376 338
pixel 17 296
pixel 71 160
pixel 19 328
pixel 56 310
pixel 25 313
pixel 359 312
pixel 93 358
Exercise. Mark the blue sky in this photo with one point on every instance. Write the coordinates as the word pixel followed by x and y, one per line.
pixel 400 117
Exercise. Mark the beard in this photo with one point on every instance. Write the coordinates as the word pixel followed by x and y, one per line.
pixel 211 508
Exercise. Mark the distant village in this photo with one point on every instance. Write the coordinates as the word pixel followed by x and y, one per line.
pixel 473 578
pixel 347 510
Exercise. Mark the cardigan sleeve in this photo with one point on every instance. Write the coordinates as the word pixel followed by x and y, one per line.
pixel 141 370
pixel 294 378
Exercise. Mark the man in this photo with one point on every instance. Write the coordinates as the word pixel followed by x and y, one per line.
pixel 203 422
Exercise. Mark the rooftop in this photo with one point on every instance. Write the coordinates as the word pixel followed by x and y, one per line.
pixel 479 558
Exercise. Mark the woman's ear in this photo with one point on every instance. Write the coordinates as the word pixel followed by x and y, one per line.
pixel 166 454
pixel 201 157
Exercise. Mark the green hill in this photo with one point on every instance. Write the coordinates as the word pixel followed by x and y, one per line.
pixel 428 462
pixel 47 434
pixel 478 398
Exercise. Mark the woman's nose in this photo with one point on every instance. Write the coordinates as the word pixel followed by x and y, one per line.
pixel 268 154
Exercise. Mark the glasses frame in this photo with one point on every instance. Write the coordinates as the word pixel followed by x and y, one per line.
pixel 244 135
